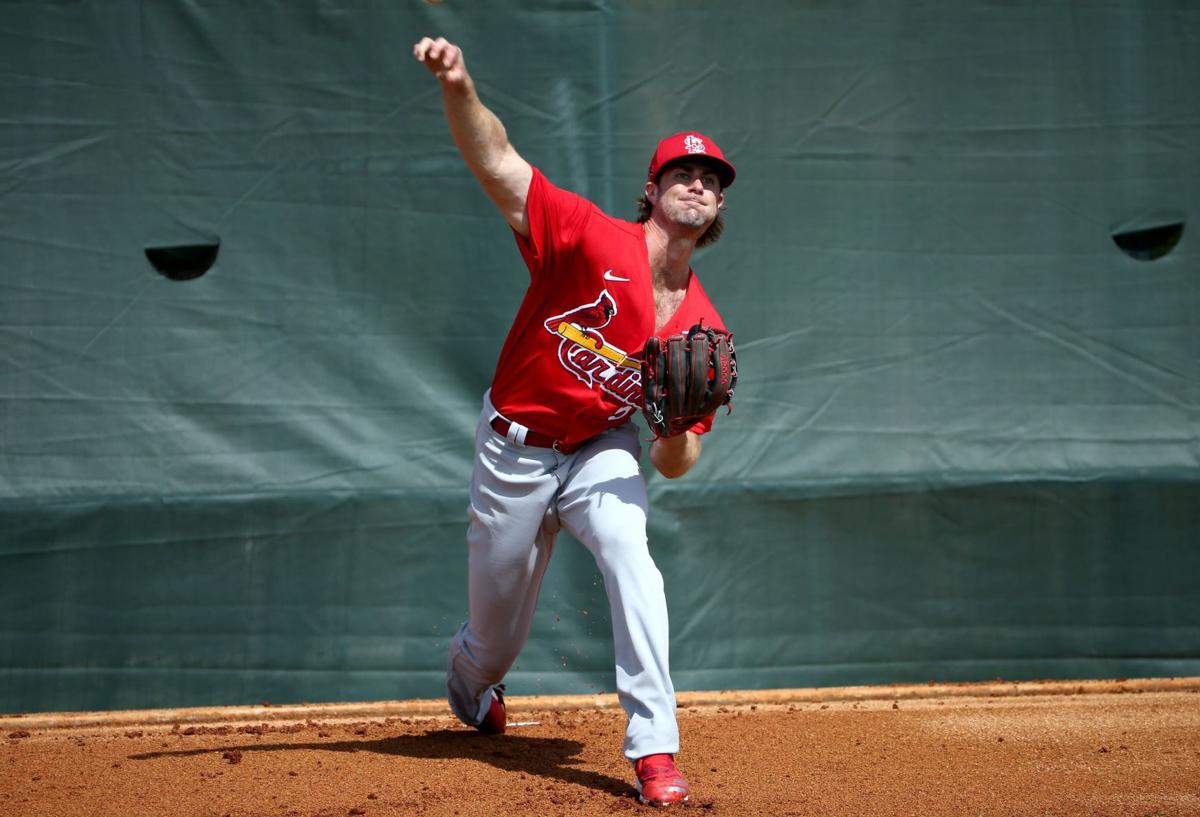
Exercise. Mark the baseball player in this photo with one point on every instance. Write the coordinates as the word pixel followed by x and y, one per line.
pixel 554 447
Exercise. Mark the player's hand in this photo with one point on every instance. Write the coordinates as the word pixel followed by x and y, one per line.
pixel 444 59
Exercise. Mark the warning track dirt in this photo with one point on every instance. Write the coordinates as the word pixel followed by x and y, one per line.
pixel 1111 748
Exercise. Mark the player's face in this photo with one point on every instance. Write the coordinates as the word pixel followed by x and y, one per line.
pixel 687 194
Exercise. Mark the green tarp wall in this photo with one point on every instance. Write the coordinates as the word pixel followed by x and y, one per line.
pixel 965 440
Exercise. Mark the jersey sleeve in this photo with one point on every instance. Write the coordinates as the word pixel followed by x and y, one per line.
pixel 556 219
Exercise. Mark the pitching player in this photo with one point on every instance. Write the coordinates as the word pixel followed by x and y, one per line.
pixel 554 447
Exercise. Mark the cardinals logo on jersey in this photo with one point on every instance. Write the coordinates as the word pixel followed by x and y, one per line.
pixel 588 319
pixel 584 352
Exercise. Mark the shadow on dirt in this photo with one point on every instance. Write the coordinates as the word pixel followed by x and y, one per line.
pixel 555 758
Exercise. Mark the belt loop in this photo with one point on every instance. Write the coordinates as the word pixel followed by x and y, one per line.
pixel 516 433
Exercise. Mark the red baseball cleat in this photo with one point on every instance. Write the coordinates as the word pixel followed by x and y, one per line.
pixel 496 719
pixel 659 782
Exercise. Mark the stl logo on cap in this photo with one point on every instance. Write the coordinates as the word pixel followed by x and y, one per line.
pixel 694 144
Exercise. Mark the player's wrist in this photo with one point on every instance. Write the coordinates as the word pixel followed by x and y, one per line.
pixel 672 440
pixel 674 456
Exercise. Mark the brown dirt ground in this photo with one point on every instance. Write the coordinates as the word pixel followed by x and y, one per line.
pixel 1101 749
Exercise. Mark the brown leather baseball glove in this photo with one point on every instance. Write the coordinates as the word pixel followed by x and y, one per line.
pixel 686 377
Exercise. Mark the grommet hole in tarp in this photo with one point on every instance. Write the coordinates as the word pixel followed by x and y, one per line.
pixel 1149 243
pixel 183 262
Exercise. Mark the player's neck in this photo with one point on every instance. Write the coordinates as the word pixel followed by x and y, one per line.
pixel 670 255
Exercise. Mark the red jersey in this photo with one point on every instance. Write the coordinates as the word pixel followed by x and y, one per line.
pixel 571 364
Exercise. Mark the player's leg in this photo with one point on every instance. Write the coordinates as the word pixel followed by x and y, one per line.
pixel 604 505
pixel 510 538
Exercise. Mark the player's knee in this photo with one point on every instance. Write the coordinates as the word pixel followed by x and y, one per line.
pixel 628 563
pixel 621 545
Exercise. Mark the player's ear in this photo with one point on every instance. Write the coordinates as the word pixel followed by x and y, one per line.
pixel 651 191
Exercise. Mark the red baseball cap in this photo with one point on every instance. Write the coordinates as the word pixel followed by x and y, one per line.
pixel 690 145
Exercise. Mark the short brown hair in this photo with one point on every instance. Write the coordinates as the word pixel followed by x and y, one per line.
pixel 709 236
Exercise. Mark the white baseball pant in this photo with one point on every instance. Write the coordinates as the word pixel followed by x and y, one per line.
pixel 521 496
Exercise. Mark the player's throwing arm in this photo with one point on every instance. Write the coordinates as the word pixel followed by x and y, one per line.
pixel 478 133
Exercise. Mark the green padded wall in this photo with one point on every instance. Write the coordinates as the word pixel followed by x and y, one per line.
pixel 960 263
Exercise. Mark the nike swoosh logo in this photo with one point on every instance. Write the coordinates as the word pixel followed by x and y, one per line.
pixel 608 276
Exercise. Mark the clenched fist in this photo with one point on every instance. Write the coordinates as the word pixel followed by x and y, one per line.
pixel 444 59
